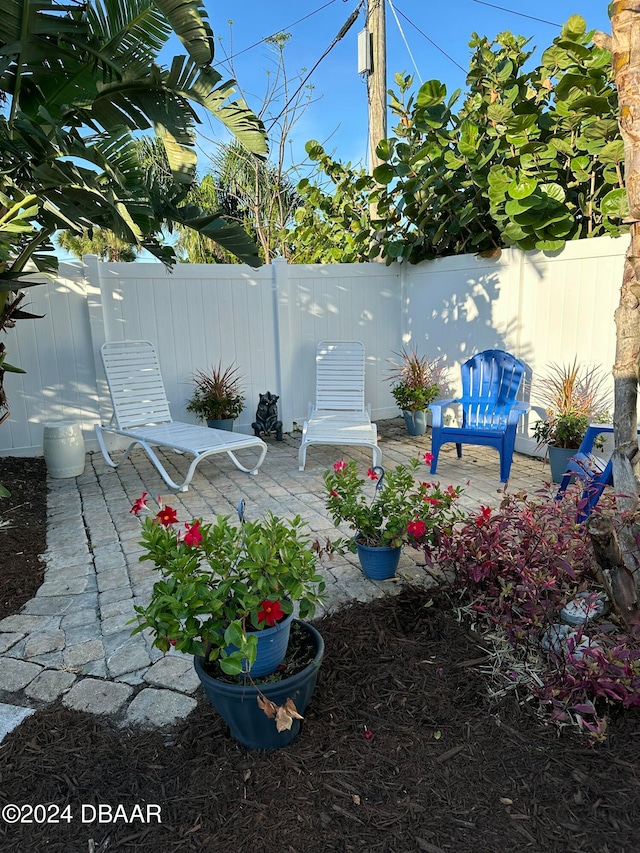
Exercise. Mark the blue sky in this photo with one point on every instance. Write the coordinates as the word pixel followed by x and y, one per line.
pixel 436 34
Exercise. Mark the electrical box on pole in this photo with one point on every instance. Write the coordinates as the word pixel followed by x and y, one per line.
pixel 364 52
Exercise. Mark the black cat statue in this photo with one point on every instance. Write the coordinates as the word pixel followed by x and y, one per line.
pixel 266 420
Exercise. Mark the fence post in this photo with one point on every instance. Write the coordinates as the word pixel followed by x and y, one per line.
pixel 98 332
pixel 282 348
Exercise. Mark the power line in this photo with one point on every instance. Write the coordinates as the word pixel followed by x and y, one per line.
pixel 432 42
pixel 521 14
pixel 343 31
pixel 404 39
pixel 282 29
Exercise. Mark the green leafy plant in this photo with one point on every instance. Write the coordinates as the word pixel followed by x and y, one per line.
pixel 573 396
pixel 418 381
pixel 217 394
pixel 528 157
pixel 222 583
pixel 400 509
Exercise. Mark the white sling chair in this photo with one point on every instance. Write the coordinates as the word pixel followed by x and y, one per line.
pixel 141 413
pixel 339 415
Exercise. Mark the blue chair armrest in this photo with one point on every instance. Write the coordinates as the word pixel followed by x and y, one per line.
pixel 440 404
pixel 437 408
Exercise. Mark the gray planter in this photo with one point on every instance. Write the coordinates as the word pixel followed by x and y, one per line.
pixel 558 459
pixel 226 423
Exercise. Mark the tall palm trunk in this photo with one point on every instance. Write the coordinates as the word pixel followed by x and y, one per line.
pixel 617 547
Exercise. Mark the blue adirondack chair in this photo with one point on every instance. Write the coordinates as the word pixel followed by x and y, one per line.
pixel 490 410
pixel 594 471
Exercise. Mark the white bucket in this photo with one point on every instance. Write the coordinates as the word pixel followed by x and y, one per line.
pixel 63 446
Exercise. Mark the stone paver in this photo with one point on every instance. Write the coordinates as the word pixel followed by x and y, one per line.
pixel 49 685
pixel 174 672
pixel 97 696
pixel 16 674
pixel 157 708
pixel 73 639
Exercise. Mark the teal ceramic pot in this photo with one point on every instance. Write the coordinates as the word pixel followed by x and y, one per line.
pixel 226 424
pixel 558 460
pixel 237 703
pixel 416 422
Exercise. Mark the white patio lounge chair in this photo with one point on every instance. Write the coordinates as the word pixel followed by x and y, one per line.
pixel 339 415
pixel 141 413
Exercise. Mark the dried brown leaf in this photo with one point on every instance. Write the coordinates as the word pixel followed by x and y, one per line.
pixel 269 707
pixel 291 709
pixel 283 720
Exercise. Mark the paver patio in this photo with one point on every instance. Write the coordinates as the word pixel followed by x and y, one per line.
pixel 73 640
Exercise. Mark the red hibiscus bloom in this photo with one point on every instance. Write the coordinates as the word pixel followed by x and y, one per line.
pixel 167 516
pixel 139 504
pixel 371 474
pixel 193 537
pixel 339 466
pixel 270 612
pixel 428 458
pixel 416 528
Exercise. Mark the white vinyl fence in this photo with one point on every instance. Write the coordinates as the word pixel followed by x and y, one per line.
pixel 542 307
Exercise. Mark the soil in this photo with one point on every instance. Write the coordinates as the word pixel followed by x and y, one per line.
pixel 402 750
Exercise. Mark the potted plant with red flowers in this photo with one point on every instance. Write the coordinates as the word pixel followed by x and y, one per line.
pixel 226 594
pixel 401 509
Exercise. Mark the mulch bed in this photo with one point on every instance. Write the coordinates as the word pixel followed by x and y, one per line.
pixel 444 769
pixel 23 531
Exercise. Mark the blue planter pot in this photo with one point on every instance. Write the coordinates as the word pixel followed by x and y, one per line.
pixel 416 422
pixel 238 706
pixel 272 647
pixel 378 564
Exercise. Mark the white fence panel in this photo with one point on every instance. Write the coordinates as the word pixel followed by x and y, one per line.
pixel 196 316
pixel 357 302
pixel 56 352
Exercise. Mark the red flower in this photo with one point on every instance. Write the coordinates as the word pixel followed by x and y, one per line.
pixel 270 612
pixel 167 516
pixel 433 501
pixel 428 458
pixel 367 733
pixel 172 642
pixel 193 537
pixel 339 466
pixel 334 494
pixel 371 474
pixel 416 528
pixel 485 515
pixel 139 504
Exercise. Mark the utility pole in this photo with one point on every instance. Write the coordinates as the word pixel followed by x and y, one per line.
pixel 377 78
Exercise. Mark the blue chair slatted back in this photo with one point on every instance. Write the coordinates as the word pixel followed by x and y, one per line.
pixel 490 384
